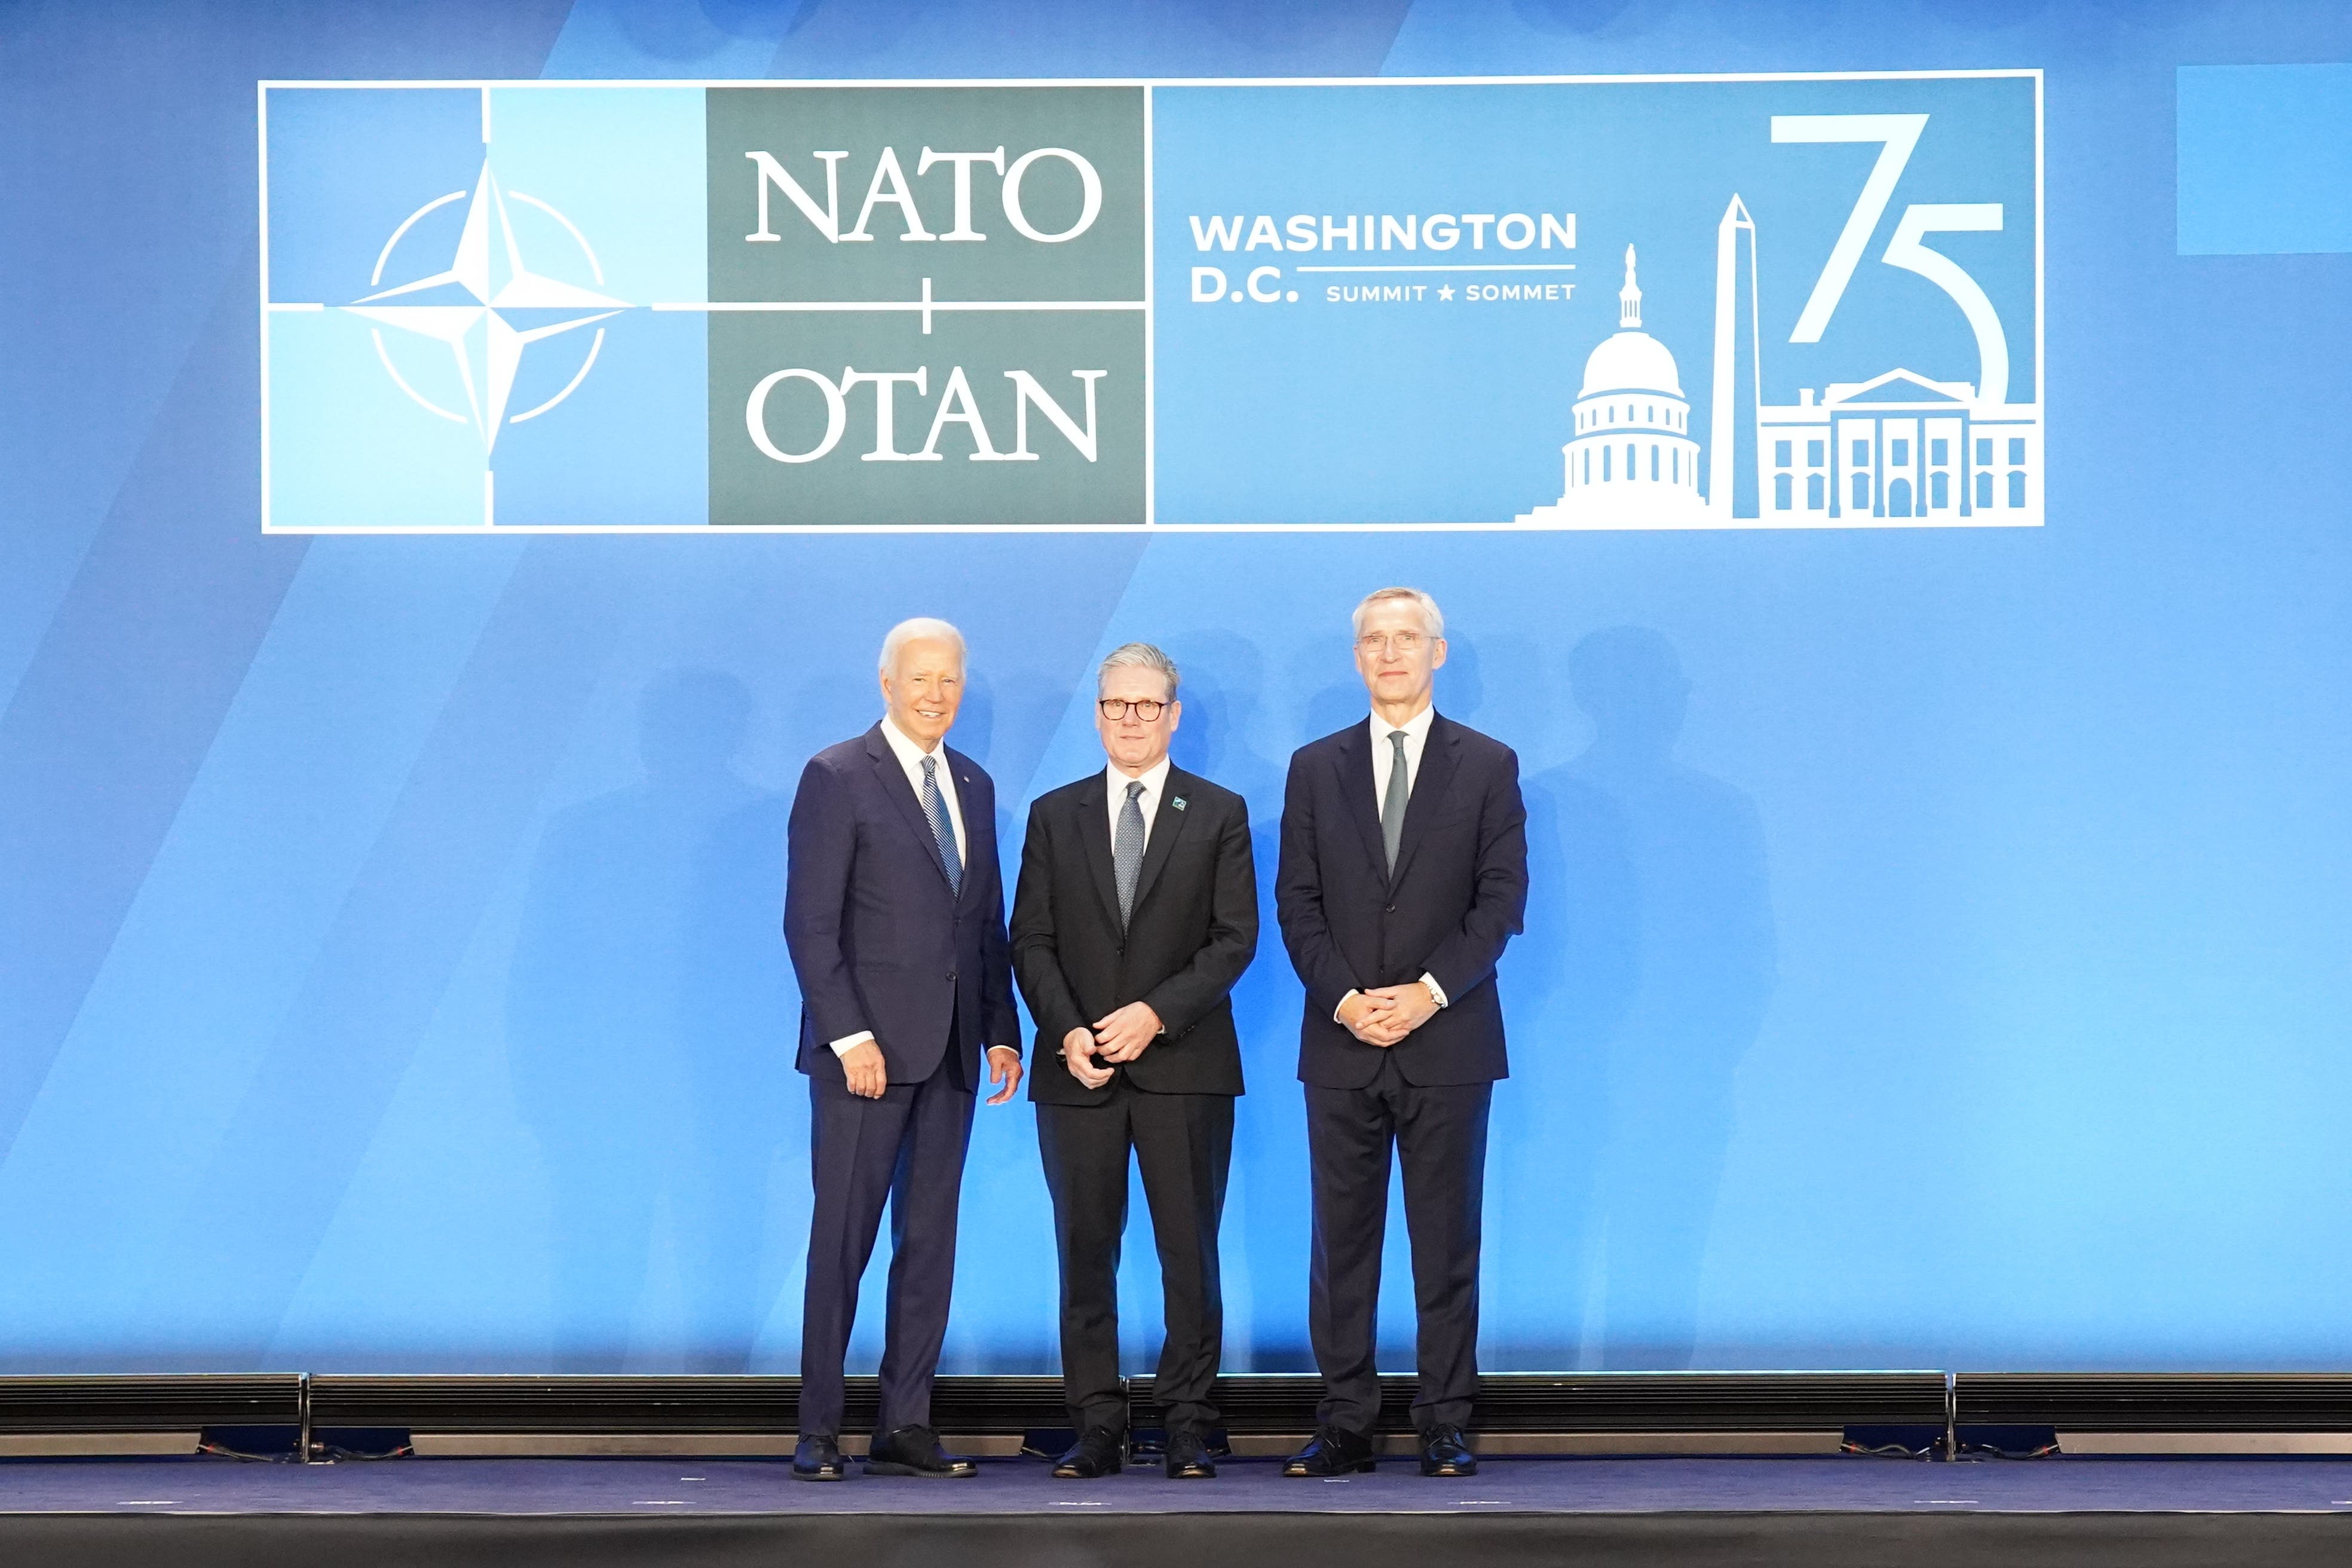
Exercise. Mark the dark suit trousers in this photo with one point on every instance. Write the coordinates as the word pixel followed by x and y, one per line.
pixel 1184 1145
pixel 906 1147
pixel 1439 1132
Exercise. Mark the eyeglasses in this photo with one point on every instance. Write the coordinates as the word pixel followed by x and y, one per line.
pixel 1117 707
pixel 1406 644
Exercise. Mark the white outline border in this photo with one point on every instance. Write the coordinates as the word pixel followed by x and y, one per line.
pixel 1151 524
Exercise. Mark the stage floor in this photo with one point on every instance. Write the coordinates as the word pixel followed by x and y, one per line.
pixel 1750 1510
pixel 600 1486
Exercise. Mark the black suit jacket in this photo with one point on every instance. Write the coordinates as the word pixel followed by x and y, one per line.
pixel 877 940
pixel 1460 892
pixel 1191 934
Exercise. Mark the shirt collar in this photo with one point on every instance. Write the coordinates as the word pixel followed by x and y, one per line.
pixel 1154 780
pixel 909 753
pixel 1416 729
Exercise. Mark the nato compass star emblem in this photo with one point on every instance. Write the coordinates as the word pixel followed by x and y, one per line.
pixel 486 307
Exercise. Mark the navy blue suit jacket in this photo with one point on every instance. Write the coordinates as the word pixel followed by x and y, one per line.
pixel 877 940
pixel 1460 892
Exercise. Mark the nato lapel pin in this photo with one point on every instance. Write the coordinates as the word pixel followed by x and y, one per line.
pixel 1178 803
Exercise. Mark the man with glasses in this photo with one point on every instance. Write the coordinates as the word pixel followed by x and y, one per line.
pixel 1136 912
pixel 1403 872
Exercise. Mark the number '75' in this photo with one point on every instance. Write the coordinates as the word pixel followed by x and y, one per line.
pixel 1898 135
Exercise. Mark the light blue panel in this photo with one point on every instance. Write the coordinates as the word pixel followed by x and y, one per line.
pixel 349 448
pixel 347 167
pixel 629 446
pixel 625 167
pixel 2265 160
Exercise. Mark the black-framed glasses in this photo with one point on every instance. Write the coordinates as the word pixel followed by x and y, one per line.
pixel 1117 707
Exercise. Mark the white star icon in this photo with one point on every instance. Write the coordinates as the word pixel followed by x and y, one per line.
pixel 499 285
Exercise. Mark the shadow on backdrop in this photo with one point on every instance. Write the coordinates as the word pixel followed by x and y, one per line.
pixel 1653 894
pixel 641 1012
pixel 1267 1222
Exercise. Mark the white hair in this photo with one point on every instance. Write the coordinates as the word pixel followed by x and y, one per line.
pixel 1139 656
pixel 1433 619
pixel 921 628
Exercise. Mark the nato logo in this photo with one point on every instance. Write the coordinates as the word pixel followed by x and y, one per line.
pixel 650 307
pixel 485 306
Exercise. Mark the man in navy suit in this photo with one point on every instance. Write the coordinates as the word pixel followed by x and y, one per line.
pixel 1403 872
pixel 893 913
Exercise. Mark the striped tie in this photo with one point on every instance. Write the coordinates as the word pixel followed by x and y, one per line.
pixel 935 806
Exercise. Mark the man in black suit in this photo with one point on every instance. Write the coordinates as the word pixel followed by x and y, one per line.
pixel 893 912
pixel 1403 872
pixel 1136 912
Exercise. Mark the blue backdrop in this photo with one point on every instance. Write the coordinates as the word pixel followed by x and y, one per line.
pixel 1937 953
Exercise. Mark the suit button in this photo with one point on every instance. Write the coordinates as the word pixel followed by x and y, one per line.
pixel 1390 910
pixel 951 974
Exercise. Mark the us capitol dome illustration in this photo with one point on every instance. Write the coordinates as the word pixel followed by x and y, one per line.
pixel 1632 461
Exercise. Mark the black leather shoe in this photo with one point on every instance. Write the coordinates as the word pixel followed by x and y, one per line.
pixel 916 1451
pixel 1444 1451
pixel 1187 1458
pixel 818 1459
pixel 1333 1451
pixel 1098 1452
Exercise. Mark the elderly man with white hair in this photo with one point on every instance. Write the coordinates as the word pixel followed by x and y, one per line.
pixel 893 913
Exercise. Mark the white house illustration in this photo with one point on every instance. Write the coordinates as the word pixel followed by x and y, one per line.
pixel 1897 448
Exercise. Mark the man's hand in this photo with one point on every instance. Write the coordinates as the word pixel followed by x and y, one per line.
pixel 1410 1006
pixel 1366 1014
pixel 1121 1037
pixel 1078 1055
pixel 1004 1067
pixel 863 1065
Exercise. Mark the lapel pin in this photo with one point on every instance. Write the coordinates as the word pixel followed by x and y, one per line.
pixel 1178 803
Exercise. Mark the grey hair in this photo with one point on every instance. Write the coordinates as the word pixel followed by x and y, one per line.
pixel 1139 656
pixel 1433 619
pixel 921 628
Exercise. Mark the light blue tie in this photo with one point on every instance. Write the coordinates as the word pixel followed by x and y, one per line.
pixel 935 806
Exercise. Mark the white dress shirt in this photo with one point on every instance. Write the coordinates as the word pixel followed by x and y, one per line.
pixel 1416 741
pixel 911 757
pixel 1154 781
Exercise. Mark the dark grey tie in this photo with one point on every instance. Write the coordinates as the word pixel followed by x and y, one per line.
pixel 1393 801
pixel 1127 849
pixel 935 807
